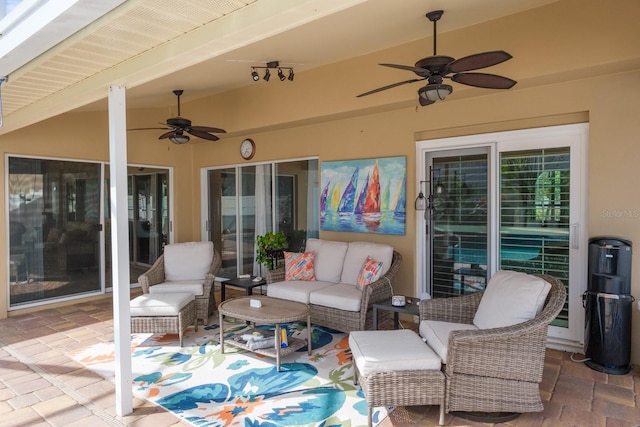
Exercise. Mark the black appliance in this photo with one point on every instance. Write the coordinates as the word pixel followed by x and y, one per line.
pixel 608 305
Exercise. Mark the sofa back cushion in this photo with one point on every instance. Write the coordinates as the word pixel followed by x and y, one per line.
pixel 187 261
pixel 510 298
pixel 329 258
pixel 356 256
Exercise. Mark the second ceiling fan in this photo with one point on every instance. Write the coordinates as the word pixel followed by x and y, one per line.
pixel 435 68
pixel 179 126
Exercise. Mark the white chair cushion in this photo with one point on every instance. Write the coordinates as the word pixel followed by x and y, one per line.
pixel 437 334
pixel 296 290
pixel 187 261
pixel 341 296
pixel 510 298
pixel 390 351
pixel 168 304
pixel 194 287
pixel 329 259
pixel 356 255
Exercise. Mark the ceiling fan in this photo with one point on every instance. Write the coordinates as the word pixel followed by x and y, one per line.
pixel 178 126
pixel 437 67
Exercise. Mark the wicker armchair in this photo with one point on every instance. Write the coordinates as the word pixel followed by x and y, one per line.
pixel 205 302
pixel 347 321
pixel 494 370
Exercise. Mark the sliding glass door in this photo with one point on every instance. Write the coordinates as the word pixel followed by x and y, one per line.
pixel 248 201
pixel 54 227
pixel 510 201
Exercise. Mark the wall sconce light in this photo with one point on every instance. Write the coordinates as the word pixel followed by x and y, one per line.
pixel 423 203
pixel 267 74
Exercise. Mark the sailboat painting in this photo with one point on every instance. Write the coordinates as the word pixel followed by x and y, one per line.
pixel 364 196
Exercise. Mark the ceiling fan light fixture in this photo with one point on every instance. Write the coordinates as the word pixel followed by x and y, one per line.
pixel 179 138
pixel 436 92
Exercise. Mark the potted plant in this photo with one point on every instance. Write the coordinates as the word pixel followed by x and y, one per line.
pixel 269 248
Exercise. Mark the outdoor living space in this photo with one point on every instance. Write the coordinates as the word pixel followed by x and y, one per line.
pixel 40 384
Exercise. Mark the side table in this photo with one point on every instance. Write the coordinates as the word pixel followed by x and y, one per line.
pixel 409 308
pixel 246 283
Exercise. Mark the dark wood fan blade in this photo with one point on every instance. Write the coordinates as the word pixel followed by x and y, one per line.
pixel 478 60
pixel 203 135
pixel 164 128
pixel 167 135
pixel 388 87
pixel 407 67
pixel 208 129
pixel 487 81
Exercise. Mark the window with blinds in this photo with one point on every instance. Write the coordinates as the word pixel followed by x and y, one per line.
pixel 534 213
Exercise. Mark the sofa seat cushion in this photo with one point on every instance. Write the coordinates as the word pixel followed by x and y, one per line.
pixel 296 290
pixel 329 259
pixel 187 261
pixel 357 254
pixel 194 287
pixel 161 304
pixel 340 295
pixel 511 297
pixel 390 351
pixel 437 334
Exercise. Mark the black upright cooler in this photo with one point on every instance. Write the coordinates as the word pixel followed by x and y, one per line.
pixel 608 306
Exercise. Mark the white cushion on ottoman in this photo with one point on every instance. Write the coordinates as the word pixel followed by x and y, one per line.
pixel 167 304
pixel 389 351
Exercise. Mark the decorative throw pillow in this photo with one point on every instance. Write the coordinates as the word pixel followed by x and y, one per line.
pixel 299 266
pixel 369 272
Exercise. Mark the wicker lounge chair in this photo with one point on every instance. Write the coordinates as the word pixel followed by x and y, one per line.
pixel 494 370
pixel 157 276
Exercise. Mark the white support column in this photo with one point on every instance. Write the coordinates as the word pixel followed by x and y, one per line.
pixel 120 249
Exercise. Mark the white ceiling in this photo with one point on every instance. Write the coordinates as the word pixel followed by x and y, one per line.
pixel 207 47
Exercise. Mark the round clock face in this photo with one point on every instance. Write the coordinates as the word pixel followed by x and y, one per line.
pixel 247 149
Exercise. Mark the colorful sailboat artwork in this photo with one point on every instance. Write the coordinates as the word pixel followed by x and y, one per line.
pixel 371 211
pixel 373 200
pixel 399 208
pixel 323 199
pixel 346 206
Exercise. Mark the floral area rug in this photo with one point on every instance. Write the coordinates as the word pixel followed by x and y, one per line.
pixel 239 388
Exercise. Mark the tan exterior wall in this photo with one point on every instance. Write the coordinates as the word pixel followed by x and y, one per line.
pixel 574 61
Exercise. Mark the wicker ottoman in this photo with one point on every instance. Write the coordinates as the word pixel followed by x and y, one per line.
pixel 396 368
pixel 167 313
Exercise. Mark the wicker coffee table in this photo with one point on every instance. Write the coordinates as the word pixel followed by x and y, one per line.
pixel 273 311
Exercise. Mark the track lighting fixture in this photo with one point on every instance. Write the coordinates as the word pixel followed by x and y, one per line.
pixel 267 73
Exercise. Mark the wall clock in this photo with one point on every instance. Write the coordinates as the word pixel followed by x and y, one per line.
pixel 247 149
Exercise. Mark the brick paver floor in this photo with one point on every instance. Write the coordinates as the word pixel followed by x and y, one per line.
pixel 41 386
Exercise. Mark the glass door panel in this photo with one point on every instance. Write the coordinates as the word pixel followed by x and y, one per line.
pixel 54 226
pixel 534 214
pixel 458 217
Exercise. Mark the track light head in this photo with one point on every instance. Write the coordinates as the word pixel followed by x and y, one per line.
pixel 290 74
pixel 254 75
pixel 281 75
pixel 267 75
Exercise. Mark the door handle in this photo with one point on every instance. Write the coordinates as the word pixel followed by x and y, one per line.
pixel 573 236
